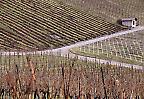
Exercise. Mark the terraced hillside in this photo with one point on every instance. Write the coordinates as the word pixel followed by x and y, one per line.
pixel 128 48
pixel 111 10
pixel 46 25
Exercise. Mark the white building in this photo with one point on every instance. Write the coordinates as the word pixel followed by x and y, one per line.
pixel 129 22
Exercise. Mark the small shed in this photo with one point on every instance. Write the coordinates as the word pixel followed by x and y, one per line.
pixel 129 22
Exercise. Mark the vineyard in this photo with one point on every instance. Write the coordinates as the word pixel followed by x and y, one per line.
pixel 47 25
pixel 29 29
pixel 127 48
pixel 111 10
pixel 46 76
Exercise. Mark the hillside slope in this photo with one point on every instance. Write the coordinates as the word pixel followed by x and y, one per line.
pixel 111 10
pixel 46 25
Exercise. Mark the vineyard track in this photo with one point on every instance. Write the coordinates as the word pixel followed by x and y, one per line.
pixel 30 26
pixel 66 50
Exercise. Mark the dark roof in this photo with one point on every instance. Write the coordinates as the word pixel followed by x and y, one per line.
pixel 129 19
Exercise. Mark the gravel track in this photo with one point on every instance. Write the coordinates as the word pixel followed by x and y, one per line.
pixel 66 50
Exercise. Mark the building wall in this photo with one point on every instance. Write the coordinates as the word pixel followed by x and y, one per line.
pixel 129 23
pixel 134 23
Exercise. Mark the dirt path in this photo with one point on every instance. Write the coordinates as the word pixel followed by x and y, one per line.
pixel 65 50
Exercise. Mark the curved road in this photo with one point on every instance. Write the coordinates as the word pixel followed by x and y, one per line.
pixel 65 50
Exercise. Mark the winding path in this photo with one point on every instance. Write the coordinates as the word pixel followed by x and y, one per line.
pixel 65 50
